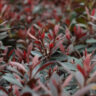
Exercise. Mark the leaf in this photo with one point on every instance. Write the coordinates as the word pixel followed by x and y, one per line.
pixel 3 89
pixel 44 66
pixel 87 12
pixel 84 90
pixel 86 62
pixel 64 67
pixel 18 65
pixel 37 9
pixel 93 12
pixel 80 78
pixel 68 79
pixel 91 41
pixel 44 87
pixel 30 35
pixel 69 66
pixel 36 53
pixel 43 35
pixel 3 35
pixel 16 90
pixel 67 34
pixel 78 47
pixel 11 79
pixel 35 60
pixel 81 70
pixel 29 48
pixel 56 29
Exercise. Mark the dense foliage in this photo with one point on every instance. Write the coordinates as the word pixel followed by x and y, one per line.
pixel 47 47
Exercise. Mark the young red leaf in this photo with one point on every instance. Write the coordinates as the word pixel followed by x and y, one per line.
pixel 24 56
pixel 43 35
pixel 93 12
pixel 87 62
pixel 50 37
pixel 51 45
pixel 44 66
pixel 81 70
pixel 27 9
pixel 67 21
pixel 39 23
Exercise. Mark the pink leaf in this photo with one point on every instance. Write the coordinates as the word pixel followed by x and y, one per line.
pixel 30 35
pixel 67 34
pixel 56 28
pixel 18 65
pixel 87 11
pixel 62 48
pixel 35 60
pixel 68 79
pixel 86 62
pixel 29 48
pixel 16 90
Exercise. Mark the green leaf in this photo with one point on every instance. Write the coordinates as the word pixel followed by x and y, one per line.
pixel 78 47
pixel 69 66
pixel 92 40
pixel 11 79
pixel 36 53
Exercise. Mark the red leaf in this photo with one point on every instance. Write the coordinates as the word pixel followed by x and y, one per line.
pixel 51 45
pixel 27 9
pixel 1 7
pixel 78 32
pixel 32 31
pixel 24 56
pixel 81 70
pixel 67 21
pixel 22 33
pixel 43 35
pixel 50 37
pixel 11 52
pixel 39 23
pixel 67 34
pixel 26 94
pixel 87 62
pixel 44 66
pixel 93 12
pixel 37 42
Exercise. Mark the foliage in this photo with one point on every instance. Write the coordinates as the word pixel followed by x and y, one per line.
pixel 47 47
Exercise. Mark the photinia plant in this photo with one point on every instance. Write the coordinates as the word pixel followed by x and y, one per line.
pixel 47 48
